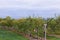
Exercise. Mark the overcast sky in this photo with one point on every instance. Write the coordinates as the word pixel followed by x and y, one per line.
pixel 30 5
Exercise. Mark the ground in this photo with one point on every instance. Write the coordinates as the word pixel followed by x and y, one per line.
pixel 8 35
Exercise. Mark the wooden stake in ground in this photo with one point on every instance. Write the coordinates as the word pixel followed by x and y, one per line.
pixel 45 30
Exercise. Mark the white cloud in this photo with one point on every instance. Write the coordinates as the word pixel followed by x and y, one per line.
pixel 30 4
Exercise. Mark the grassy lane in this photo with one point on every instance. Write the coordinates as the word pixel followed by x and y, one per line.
pixel 8 35
pixel 52 38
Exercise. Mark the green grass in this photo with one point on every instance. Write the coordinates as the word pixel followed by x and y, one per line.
pixel 8 35
pixel 52 38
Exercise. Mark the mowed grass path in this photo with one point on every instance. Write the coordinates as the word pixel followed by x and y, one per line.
pixel 52 38
pixel 8 35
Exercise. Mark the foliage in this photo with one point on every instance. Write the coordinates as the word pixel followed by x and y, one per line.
pixel 33 26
